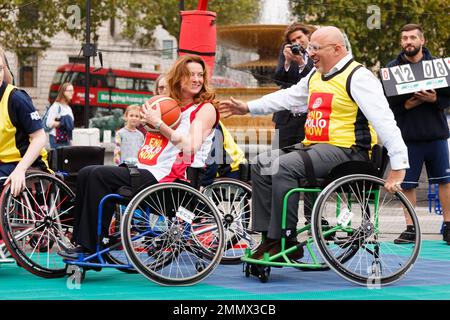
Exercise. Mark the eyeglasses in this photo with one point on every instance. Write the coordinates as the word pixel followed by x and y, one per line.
pixel 317 47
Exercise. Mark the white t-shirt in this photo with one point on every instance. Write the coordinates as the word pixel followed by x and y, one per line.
pixel 57 110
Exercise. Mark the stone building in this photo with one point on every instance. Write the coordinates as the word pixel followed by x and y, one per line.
pixel 36 73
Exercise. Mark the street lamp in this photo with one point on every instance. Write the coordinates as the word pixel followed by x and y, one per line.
pixel 110 83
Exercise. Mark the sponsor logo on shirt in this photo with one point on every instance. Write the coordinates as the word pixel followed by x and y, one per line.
pixel 318 121
pixel 152 148
pixel 35 116
pixel 317 103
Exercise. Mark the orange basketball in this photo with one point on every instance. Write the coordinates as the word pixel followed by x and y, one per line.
pixel 170 111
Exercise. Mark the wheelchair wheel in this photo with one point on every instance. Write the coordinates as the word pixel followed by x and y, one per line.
pixel 363 219
pixel 172 234
pixel 38 223
pixel 233 200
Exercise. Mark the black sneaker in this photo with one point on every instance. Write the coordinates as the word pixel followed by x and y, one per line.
pixel 446 234
pixel 407 236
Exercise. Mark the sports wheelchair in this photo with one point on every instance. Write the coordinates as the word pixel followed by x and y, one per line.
pixel 353 224
pixel 169 232
pixel 172 233
pixel 38 222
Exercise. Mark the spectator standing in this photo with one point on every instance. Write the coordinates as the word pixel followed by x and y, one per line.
pixel 129 139
pixel 60 118
pixel 424 128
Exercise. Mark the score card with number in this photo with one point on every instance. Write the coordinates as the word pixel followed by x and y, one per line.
pixel 409 78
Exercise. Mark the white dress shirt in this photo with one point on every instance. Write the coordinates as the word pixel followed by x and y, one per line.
pixel 368 94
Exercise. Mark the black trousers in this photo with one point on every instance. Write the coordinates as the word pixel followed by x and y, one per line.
pixel 93 183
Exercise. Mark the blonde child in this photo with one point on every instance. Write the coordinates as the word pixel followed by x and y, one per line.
pixel 129 139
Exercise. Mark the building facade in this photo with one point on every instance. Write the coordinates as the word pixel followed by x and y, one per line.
pixel 36 74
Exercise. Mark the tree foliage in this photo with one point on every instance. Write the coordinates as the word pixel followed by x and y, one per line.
pixel 371 46
pixel 27 26
pixel 142 20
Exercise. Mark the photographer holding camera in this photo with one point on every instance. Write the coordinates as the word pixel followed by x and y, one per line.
pixel 293 64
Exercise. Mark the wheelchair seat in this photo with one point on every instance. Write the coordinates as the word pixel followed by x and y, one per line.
pixel 375 167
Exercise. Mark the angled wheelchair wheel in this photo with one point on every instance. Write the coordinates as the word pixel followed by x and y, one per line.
pixel 38 223
pixel 233 200
pixel 172 234
pixel 362 221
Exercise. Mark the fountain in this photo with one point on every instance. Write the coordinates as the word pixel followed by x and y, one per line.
pixel 265 39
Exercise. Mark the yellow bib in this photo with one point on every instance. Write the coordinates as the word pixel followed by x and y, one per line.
pixel 333 116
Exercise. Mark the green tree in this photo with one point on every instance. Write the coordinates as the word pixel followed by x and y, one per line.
pixel 25 26
pixel 145 18
pixel 101 11
pixel 372 45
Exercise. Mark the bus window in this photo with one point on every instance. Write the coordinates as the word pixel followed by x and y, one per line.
pixel 78 79
pixel 98 81
pixel 146 85
pixel 124 83
pixel 57 78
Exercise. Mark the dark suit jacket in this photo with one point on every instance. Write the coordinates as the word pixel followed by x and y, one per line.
pixel 286 79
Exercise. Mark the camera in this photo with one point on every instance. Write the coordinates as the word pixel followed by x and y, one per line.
pixel 296 49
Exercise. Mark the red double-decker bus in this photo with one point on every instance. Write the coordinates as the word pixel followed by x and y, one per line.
pixel 131 87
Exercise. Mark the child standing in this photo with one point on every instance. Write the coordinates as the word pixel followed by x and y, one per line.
pixel 129 139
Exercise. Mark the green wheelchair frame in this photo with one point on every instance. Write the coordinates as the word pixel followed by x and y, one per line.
pixel 261 267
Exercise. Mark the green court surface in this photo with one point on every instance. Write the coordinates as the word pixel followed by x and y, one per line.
pixel 429 279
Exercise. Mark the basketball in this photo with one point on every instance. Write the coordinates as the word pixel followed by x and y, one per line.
pixel 170 112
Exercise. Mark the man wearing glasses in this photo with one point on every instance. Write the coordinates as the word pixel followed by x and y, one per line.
pixel 341 98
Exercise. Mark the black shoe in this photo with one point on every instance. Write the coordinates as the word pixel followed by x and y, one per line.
pixel 407 236
pixel 446 234
pixel 74 253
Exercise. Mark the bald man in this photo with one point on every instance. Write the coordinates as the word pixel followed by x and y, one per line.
pixel 341 98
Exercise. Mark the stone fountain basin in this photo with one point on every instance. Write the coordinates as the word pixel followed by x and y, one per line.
pixel 265 39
